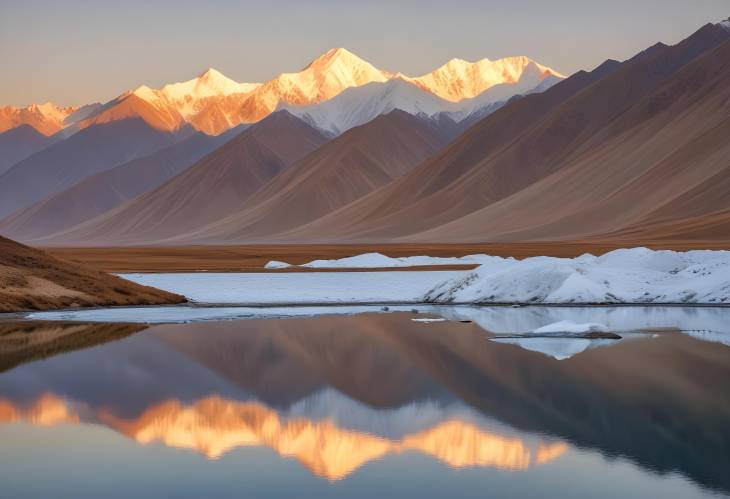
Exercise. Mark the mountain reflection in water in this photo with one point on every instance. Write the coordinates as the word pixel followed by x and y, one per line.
pixel 338 392
pixel 214 426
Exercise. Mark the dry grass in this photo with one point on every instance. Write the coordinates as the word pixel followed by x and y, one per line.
pixel 253 258
pixel 33 280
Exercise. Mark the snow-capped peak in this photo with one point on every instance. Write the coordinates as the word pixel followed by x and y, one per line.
pixel 189 98
pixel 212 74
pixel 343 66
pixel 334 56
pixel 212 102
pixel 214 79
pixel 323 78
pixel 209 83
pixel 51 111
pixel 459 79
pixel 725 24
pixel 424 96
pixel 47 118
pixel 145 93
pixel 358 105
pixel 457 65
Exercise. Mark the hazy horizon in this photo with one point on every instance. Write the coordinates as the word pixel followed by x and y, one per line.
pixel 55 54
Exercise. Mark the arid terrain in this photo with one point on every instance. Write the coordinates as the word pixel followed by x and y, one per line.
pixel 252 258
pixel 33 280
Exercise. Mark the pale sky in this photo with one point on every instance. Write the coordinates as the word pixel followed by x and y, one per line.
pixel 81 51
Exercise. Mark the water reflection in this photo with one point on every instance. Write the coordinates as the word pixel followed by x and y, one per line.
pixel 47 410
pixel 33 340
pixel 214 426
pixel 336 393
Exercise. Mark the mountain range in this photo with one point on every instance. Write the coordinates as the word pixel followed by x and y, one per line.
pixel 505 150
pixel 213 103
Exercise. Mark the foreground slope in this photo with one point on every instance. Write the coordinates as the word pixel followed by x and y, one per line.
pixel 33 280
pixel 211 189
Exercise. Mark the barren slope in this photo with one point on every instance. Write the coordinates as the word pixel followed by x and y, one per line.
pixel 209 190
pixel 104 191
pixel 33 280
pixel 664 162
pixel 522 143
pixel 20 142
pixel 345 169
pixel 95 149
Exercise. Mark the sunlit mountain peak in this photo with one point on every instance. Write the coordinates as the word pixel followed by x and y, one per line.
pixel 459 79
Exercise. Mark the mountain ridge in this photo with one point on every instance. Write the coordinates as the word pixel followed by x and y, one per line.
pixel 210 189
pixel 213 103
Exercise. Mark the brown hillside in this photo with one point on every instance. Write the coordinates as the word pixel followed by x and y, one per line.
pixel 343 170
pixel 211 189
pixel 33 280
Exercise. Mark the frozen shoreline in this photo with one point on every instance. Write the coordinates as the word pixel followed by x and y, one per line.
pixel 628 276
pixel 555 326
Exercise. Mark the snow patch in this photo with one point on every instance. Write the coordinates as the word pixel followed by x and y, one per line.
pixel 637 276
pixel 378 260
pixel 359 105
pixel 275 264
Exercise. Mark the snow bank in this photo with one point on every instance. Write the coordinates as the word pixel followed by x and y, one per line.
pixel 636 275
pixel 378 260
pixel 297 288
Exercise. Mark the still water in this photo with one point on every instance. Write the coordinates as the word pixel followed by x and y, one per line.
pixel 364 405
